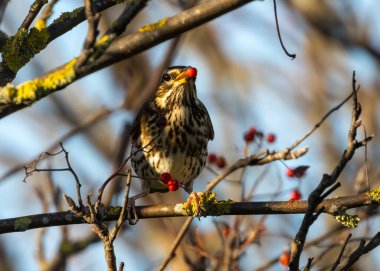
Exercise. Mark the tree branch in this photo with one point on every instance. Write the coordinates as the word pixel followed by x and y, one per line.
pixel 329 206
pixel 14 98
pixel 327 180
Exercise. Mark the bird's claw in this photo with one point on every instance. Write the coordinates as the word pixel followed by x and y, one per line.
pixel 132 207
pixel 193 203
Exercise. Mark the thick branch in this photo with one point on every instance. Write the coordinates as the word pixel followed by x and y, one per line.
pixel 330 206
pixel 122 48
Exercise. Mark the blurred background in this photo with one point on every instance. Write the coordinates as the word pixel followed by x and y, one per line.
pixel 245 80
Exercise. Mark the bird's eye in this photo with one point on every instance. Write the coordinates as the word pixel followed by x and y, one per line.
pixel 166 77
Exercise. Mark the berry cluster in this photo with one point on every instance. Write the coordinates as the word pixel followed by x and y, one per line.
pixel 252 133
pixel 298 173
pixel 166 178
pixel 219 161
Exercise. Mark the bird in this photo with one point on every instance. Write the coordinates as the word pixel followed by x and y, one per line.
pixel 170 133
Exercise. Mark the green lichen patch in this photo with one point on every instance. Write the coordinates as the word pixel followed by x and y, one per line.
pixel 113 211
pixel 208 204
pixel 350 221
pixel 33 90
pixel 69 15
pixel 154 26
pixel 20 48
pixel 22 223
pixel 374 194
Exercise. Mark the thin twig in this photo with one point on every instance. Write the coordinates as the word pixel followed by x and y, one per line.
pixel 124 208
pixel 176 243
pixel 33 12
pixel 327 180
pixel 93 120
pixel 77 182
pixel 363 248
pixel 316 126
pixel 292 56
pixel 337 262
pixel 93 21
pixel 118 171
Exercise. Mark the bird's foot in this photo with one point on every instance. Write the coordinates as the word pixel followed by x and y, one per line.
pixel 194 203
pixel 131 209
pixel 204 204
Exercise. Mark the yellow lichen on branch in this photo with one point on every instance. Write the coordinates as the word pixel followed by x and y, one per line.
pixel 374 194
pixel 154 26
pixel 208 204
pixel 40 24
pixel 350 221
pixel 35 89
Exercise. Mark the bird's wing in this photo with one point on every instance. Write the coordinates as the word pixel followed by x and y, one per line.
pixel 136 125
pixel 210 128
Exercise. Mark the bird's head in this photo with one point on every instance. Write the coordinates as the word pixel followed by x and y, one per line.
pixel 177 86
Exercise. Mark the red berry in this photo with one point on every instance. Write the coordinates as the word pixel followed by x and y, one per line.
pixel 173 185
pixel 284 258
pixel 271 138
pixel 191 72
pixel 290 173
pixel 252 130
pixel 212 158
pixel 295 195
pixel 249 136
pixel 221 162
pixel 165 177
pixel 300 171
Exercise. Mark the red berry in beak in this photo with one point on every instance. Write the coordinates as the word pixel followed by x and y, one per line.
pixel 191 72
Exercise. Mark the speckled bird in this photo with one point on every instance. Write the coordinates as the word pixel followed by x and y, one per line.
pixel 171 133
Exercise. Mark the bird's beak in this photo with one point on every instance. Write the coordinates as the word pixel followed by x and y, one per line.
pixel 190 72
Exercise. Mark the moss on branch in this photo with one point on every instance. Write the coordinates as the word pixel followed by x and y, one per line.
pixel 20 48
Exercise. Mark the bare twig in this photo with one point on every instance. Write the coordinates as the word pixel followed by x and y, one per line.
pixel 77 182
pixel 363 248
pixel 118 171
pixel 93 21
pixel 337 262
pixel 327 180
pixel 117 27
pixel 123 211
pixel 47 11
pixel 176 243
pixel 33 11
pixel 93 120
pixel 316 126
pixel 292 56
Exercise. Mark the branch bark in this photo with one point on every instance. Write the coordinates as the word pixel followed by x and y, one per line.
pixel 120 49
pixel 329 206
